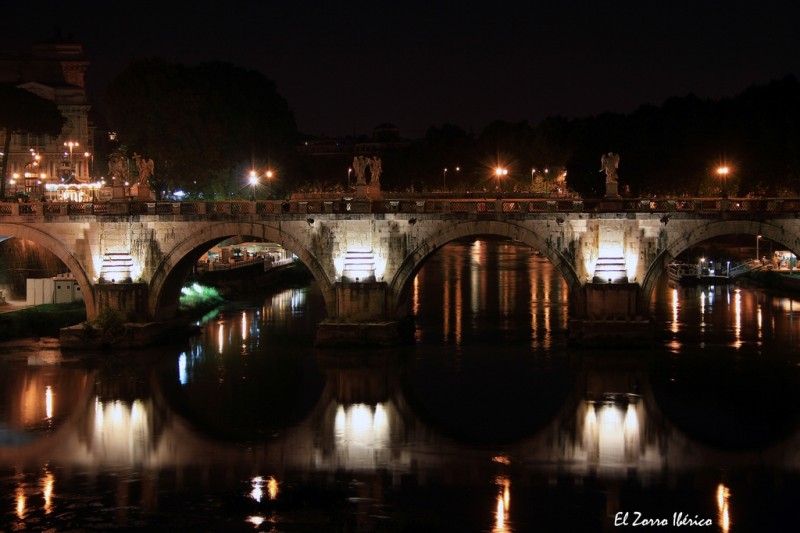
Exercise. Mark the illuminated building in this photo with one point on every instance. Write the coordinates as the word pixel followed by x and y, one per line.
pixel 54 70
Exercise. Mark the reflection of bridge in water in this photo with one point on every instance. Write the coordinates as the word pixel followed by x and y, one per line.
pixel 362 425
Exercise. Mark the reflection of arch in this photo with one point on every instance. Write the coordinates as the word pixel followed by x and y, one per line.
pixel 482 407
pixel 176 264
pixel 747 409
pixel 287 392
pixel 401 282
pixel 74 390
pixel 56 246
pixel 687 239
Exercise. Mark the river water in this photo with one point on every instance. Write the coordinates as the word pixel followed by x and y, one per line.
pixel 490 422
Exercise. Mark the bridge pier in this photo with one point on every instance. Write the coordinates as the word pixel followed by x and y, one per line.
pixel 610 315
pixel 361 318
pixel 129 298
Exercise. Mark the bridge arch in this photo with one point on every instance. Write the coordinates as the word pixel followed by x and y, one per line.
pixel 57 247
pixel 169 275
pixel 401 282
pixel 783 234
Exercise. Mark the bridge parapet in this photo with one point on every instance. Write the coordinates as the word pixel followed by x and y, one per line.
pixel 438 205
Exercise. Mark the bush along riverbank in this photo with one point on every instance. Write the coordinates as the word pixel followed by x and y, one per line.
pixel 41 321
pixel 770 280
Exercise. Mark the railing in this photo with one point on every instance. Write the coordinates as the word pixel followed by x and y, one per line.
pixel 478 206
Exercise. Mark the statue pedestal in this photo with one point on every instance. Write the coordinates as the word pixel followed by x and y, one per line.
pixel 118 193
pixel 612 189
pixel 361 190
pixel 142 193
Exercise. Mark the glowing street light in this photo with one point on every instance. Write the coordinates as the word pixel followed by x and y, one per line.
pixel 444 179
pixel 349 171
pixel 723 172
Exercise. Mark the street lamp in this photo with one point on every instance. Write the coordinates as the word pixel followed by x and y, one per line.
pixel 533 171
pixel 499 172
pixel 444 179
pixel 758 238
pixel 269 176
pixel 90 158
pixel 253 182
pixel 723 173
pixel 71 145
pixel 349 171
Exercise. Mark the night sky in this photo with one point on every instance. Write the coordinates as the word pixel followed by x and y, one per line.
pixel 345 67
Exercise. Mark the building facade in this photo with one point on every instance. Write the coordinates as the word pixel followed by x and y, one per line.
pixel 55 71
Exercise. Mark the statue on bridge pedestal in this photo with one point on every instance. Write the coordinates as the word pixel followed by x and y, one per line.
pixel 360 166
pixel 610 163
pixel 142 186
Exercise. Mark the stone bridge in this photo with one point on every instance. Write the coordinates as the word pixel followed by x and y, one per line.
pixel 365 253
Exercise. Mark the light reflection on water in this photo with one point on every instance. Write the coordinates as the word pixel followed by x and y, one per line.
pixel 248 419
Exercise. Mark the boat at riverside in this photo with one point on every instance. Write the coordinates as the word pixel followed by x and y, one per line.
pixel 683 273
pixel 709 273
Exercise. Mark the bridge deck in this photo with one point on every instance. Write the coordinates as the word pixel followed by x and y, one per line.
pixel 474 204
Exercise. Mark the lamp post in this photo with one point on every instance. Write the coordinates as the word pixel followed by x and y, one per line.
pixel 499 172
pixel 71 145
pixel 444 179
pixel 349 171
pixel 758 238
pixel 269 174
pixel 533 171
pixel 253 182
pixel 723 173
pixel 90 158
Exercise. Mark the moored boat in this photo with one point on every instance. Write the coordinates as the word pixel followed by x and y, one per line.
pixel 683 273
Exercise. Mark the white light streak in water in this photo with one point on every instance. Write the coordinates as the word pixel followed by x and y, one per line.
pixel 416 295
pixel 255 520
pixel 48 402
pixel 723 515
pixel 502 506
pixel 674 326
pixel 737 319
pixel 446 304
pixel 257 491
pixel 182 376
pixel 759 321
pixel 47 491
pixel 459 297
pixel 21 503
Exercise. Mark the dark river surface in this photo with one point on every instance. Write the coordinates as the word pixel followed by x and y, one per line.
pixel 490 422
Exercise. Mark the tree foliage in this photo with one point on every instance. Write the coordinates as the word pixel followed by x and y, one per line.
pixel 22 111
pixel 200 122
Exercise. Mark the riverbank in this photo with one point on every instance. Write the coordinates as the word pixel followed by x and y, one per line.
pixel 18 320
pixel 772 281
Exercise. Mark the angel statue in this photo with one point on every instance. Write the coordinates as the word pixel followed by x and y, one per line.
pixel 145 167
pixel 375 169
pixel 360 167
pixel 610 163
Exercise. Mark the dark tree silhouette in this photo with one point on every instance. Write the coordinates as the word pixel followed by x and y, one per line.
pixel 199 123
